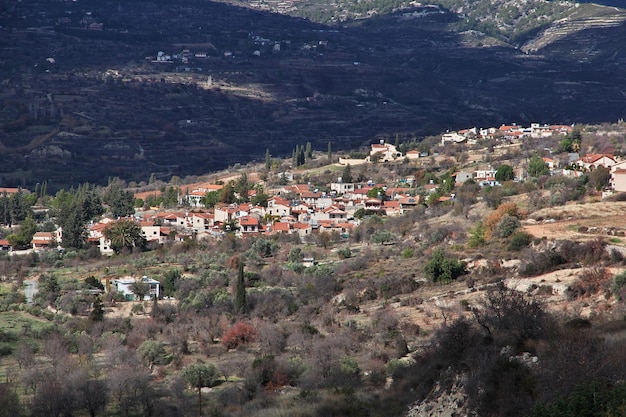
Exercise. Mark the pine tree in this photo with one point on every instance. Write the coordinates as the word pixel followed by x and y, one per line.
pixel 241 304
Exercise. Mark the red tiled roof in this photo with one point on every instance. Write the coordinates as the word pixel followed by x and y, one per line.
pixel 590 158
pixel 391 204
pixel 249 221
pixel 282 227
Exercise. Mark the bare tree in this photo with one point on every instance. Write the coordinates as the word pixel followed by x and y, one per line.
pixel 510 315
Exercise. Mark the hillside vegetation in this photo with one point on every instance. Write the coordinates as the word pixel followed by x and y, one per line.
pixel 458 305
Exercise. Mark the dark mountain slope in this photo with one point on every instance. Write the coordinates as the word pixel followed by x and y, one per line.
pixel 264 80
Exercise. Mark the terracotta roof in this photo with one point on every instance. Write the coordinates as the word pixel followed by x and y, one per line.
pixel 590 158
pixel 280 201
pixel 249 221
pixel 282 227
pixel 203 215
pixel 11 190
pixel 391 204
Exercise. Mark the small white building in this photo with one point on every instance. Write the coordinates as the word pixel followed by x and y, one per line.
pixel 125 286
pixel 386 151
pixel 452 137
pixel 342 187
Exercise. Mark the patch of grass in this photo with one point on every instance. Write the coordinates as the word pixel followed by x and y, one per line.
pixel 15 321
pixel 615 240
pixel 5 289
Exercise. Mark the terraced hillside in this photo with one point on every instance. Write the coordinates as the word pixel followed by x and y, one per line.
pixel 86 91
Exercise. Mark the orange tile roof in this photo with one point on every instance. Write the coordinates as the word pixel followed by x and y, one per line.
pixel 282 227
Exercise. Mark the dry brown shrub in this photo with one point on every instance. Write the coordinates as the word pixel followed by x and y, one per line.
pixel 491 223
pixel 592 281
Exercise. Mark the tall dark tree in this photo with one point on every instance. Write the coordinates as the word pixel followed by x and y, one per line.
pixel 227 193
pixel 73 209
pixel 330 152
pixel 24 235
pixel 19 207
pixel 97 313
pixel 170 281
pixel 302 157
pixel 242 186
pixel 170 196
pixel 268 159
pixel 5 214
pixel 119 200
pixel 504 173
pixel 241 304
pixel 346 176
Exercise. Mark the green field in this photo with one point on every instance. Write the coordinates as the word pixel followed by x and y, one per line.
pixel 17 322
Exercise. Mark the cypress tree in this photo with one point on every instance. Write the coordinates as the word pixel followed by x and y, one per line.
pixel 241 304
pixel 268 159
pixel 330 152
pixel 301 157
pixel 97 314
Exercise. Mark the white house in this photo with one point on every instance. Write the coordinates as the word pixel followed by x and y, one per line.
pixel 452 137
pixel 591 161
pixel 618 177
pixel 386 151
pixel 125 286
pixel 342 187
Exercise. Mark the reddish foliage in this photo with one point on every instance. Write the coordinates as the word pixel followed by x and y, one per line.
pixel 241 333
pixel 279 379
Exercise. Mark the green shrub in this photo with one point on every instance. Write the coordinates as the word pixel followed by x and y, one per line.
pixel 519 240
pixel 508 225
pixel 477 236
pixel 619 281
pixel 440 268
pixel 344 253
pixel 382 236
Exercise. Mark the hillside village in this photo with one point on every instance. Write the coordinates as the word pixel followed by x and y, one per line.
pixel 306 210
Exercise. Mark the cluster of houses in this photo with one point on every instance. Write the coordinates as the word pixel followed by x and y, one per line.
pixel 509 133
pixel 303 210
pixel 293 209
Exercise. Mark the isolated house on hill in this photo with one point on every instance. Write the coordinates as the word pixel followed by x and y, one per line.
pixel 126 287
pixel 44 240
pixel 385 151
